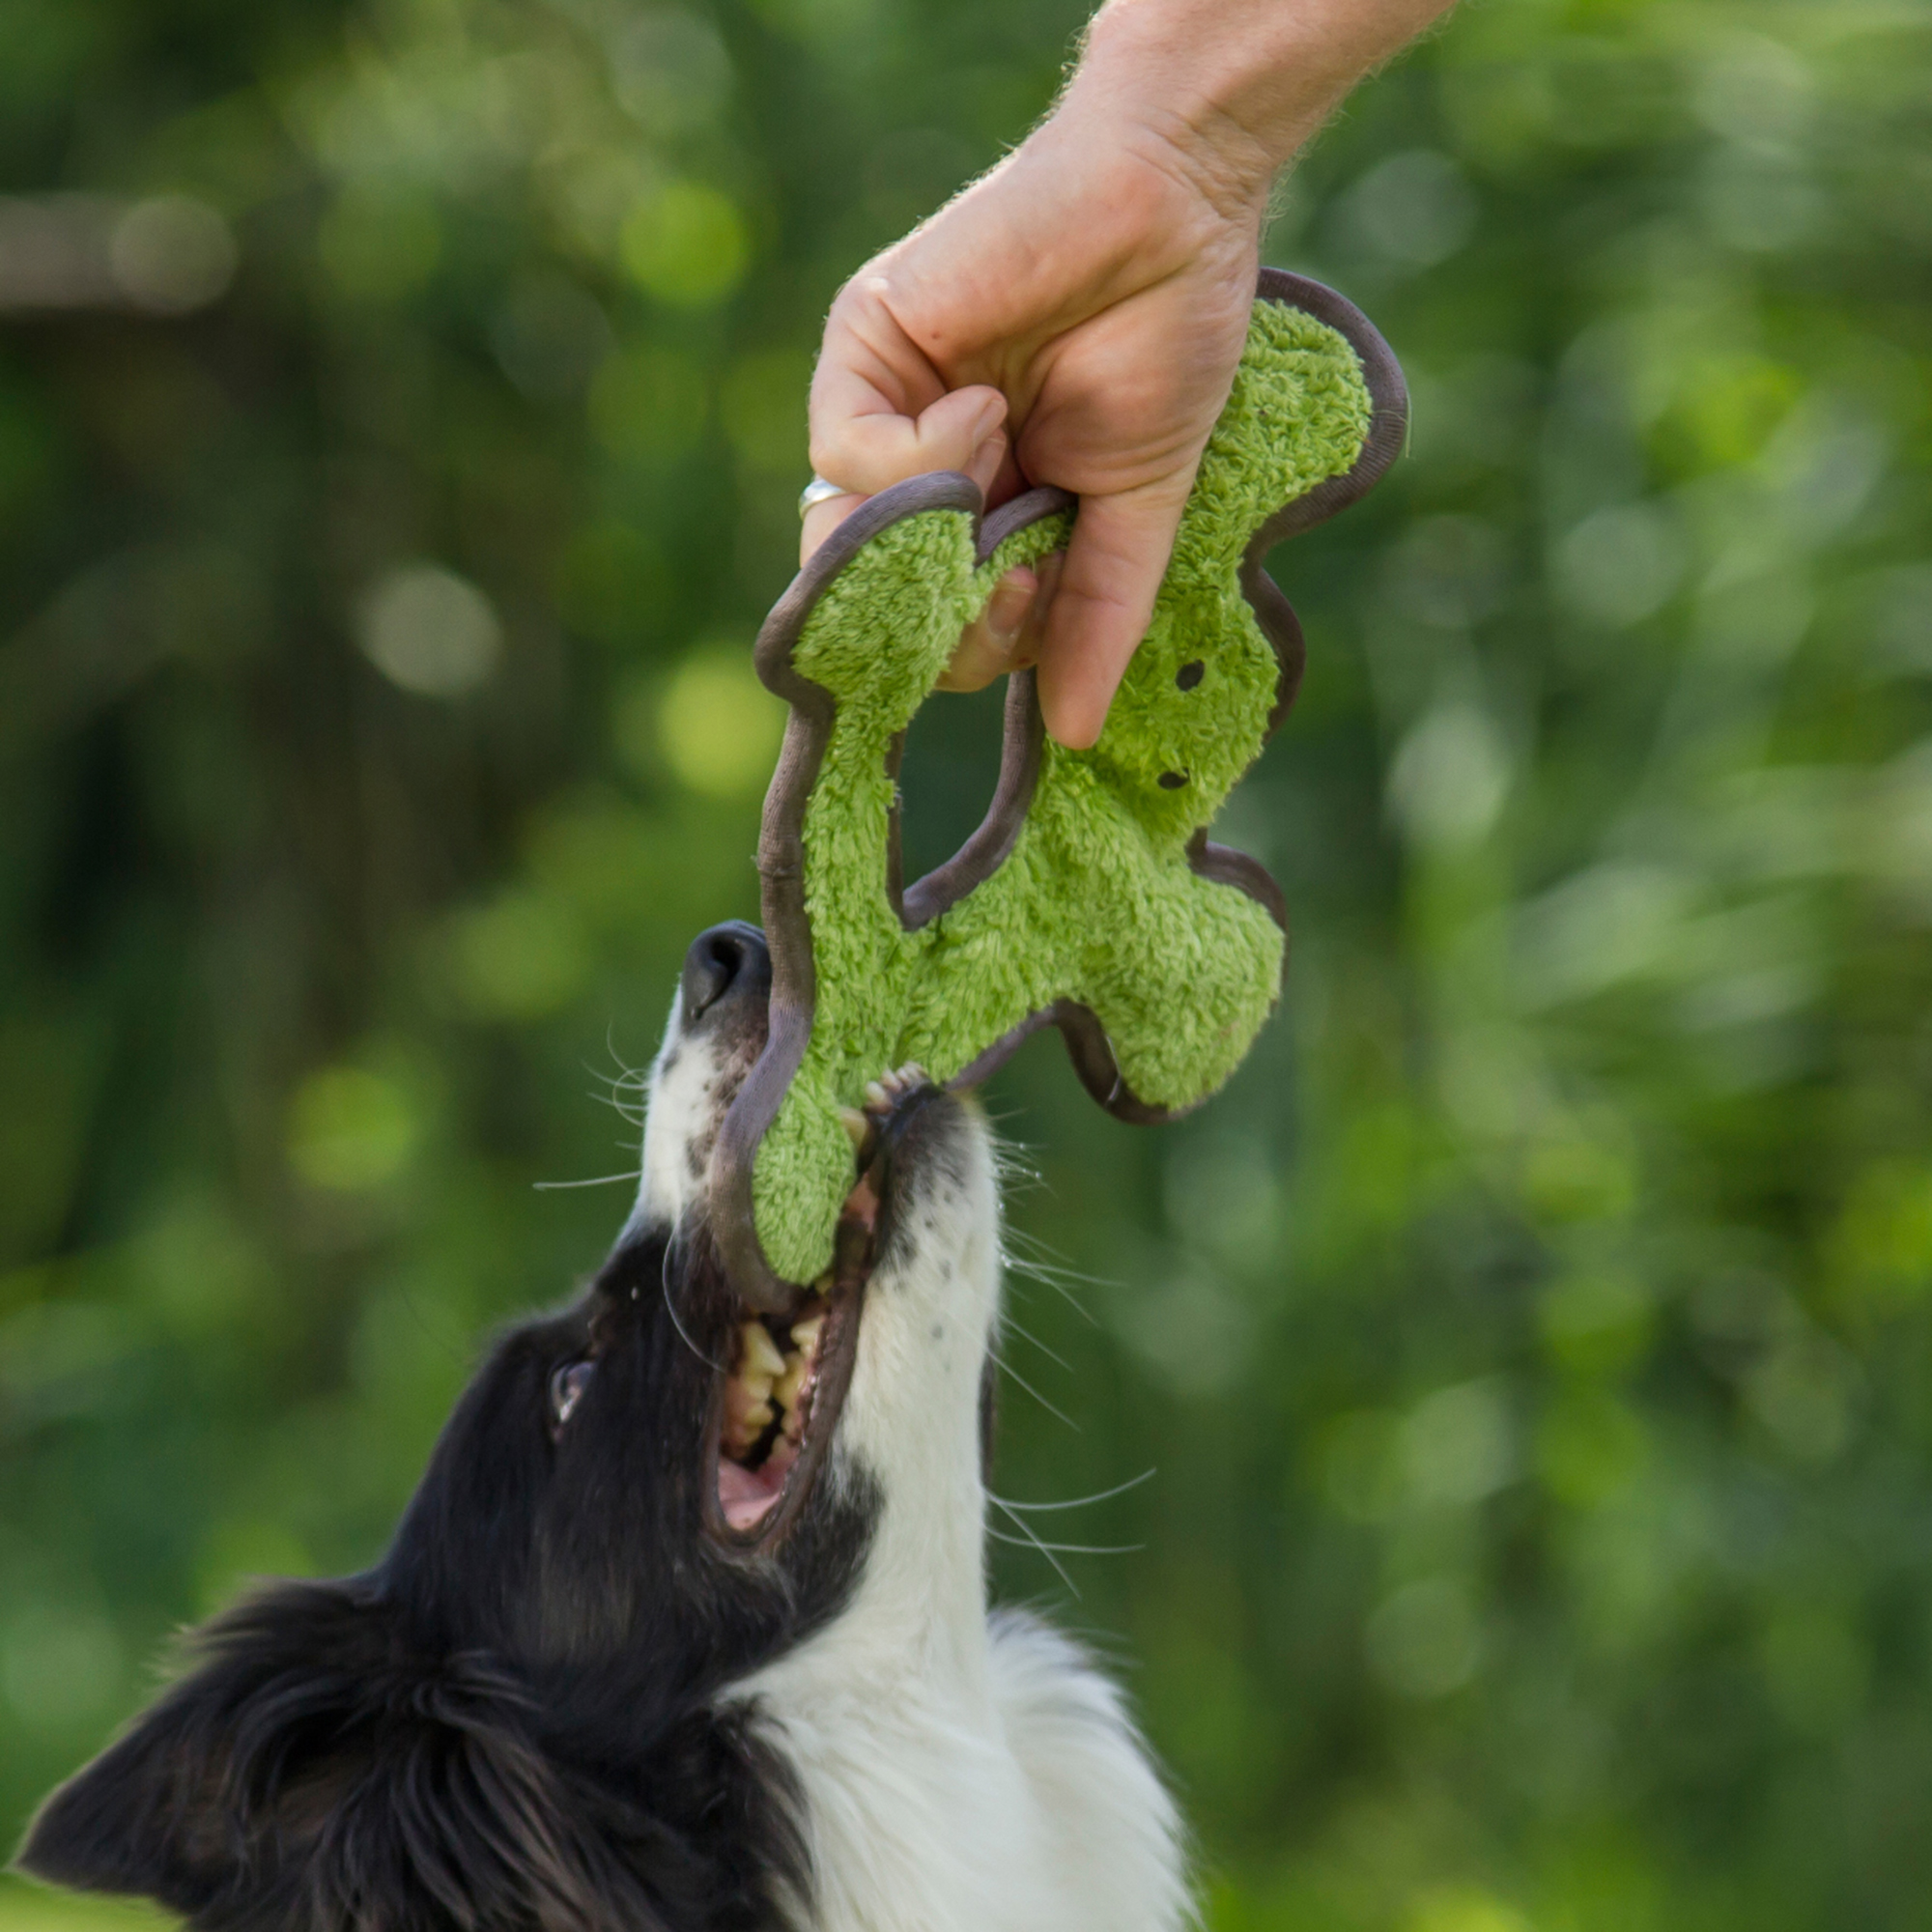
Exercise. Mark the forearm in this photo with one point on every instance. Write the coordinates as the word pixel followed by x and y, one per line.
pixel 1076 315
pixel 1239 85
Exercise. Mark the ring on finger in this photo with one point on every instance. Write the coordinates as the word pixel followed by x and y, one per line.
pixel 820 490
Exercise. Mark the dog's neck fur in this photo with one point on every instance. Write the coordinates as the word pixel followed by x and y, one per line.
pixel 957 1771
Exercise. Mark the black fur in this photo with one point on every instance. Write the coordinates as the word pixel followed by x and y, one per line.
pixel 508 1724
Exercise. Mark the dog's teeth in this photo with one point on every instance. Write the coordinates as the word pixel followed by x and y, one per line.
pixel 746 1419
pixel 912 1074
pixel 876 1096
pixel 784 1391
pixel 806 1334
pixel 743 1393
pixel 856 1127
pixel 759 1359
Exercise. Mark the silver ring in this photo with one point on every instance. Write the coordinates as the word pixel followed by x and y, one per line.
pixel 819 491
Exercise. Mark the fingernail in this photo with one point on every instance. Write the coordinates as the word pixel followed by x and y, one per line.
pixel 1008 606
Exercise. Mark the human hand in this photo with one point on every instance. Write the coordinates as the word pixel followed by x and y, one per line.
pixel 1074 318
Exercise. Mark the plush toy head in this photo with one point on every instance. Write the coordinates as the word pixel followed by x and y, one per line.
pixel 1089 898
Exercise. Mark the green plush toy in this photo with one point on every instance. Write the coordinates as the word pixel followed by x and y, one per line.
pixel 1089 898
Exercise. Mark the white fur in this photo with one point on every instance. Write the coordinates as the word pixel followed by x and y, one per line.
pixel 961 1772
pixel 684 1109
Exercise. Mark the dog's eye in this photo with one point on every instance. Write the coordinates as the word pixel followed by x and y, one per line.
pixel 566 1389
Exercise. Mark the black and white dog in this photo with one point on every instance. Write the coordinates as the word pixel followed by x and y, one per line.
pixel 686 1626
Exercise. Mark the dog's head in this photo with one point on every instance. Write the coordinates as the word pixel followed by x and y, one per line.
pixel 514 1720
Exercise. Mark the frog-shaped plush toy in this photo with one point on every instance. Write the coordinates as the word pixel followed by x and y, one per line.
pixel 1089 898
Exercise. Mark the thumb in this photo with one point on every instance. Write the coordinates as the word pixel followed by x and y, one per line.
pixel 1115 562
pixel 870 448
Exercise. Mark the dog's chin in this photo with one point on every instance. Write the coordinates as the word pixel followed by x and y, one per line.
pixel 776 1401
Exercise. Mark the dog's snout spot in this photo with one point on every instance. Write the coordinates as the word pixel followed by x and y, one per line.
pixel 726 962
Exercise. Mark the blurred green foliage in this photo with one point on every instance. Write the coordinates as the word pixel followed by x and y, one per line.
pixel 1532 1344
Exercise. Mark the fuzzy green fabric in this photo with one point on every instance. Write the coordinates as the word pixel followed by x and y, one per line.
pixel 1096 903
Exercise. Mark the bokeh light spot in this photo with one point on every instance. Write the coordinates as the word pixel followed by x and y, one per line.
pixel 1425 1640
pixel 380 244
pixel 669 69
pixel 351 1130
pixel 719 727
pixel 429 630
pixel 518 959
pixel 1413 209
pixel 1621 563
pixel 686 244
pixel 173 254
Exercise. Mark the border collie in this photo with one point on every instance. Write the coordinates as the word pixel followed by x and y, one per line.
pixel 686 1626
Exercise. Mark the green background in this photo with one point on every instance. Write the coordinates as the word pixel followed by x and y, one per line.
pixel 1531 1344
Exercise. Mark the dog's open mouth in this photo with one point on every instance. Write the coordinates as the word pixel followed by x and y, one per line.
pixel 778 1401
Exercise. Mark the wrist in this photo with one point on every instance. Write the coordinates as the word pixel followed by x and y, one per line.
pixel 1210 105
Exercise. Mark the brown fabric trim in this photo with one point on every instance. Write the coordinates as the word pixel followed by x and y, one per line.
pixel 986 851
pixel 1023 735
pixel 1388 429
pixel 1021 512
pixel 1227 866
pixel 780 845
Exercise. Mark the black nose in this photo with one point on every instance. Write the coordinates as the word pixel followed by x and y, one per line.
pixel 728 962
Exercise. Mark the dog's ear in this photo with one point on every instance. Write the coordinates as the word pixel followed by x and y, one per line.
pixel 312 1775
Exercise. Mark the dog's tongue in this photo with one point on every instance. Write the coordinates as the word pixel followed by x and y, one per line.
pixel 747 1495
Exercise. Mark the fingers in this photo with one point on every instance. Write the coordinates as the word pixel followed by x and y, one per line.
pixel 961 431
pixel 1006 636
pixel 1101 610
pixel 870 449
pixel 825 516
pixel 992 644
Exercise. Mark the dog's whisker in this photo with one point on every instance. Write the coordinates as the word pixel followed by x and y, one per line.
pixel 597 1181
pixel 1041 1256
pixel 1068 1549
pixel 671 1309
pixel 633 1116
pixel 1044 1254
pixel 1078 1502
pixel 1016 1174
pixel 1059 1568
pixel 628 1079
pixel 1066 1295
pixel 636 1074
pixel 1008 1369
pixel 1015 1264
pixel 1010 1326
